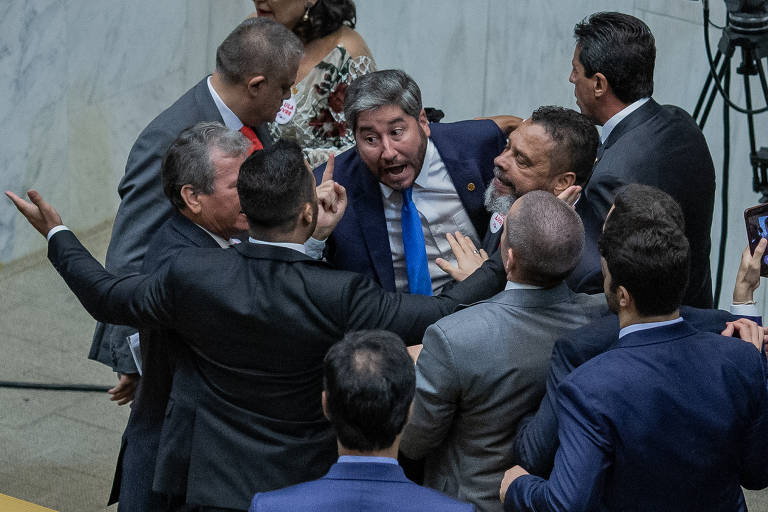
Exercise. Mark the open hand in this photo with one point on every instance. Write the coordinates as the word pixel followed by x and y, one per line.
pixel 510 476
pixel 125 390
pixel 468 258
pixel 747 330
pixel 570 195
pixel 40 214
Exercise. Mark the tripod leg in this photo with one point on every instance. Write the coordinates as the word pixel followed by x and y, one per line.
pixel 725 67
pixel 707 84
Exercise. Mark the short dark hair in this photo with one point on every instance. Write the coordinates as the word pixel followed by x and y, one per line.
pixel 326 17
pixel 622 48
pixel 575 140
pixel 257 46
pixel 274 185
pixel 546 236
pixel 369 381
pixel 645 249
pixel 380 88
pixel 189 159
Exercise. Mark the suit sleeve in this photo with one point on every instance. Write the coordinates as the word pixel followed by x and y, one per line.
pixel 581 463
pixel 142 300
pixel 365 305
pixel 438 392
pixel 601 190
pixel 754 450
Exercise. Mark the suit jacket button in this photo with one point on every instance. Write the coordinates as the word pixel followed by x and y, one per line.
pixel 471 186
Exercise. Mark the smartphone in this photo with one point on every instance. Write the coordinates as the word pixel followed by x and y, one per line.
pixel 756 219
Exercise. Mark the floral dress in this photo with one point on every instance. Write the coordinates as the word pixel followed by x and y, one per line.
pixel 318 123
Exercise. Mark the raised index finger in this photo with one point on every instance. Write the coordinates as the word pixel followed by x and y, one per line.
pixel 328 172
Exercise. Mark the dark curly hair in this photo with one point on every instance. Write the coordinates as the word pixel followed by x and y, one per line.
pixel 326 17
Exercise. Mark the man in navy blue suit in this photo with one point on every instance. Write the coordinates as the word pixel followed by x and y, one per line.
pixel 670 418
pixel 369 382
pixel 444 167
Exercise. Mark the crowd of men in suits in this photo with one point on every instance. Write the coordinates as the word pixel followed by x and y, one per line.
pixel 274 304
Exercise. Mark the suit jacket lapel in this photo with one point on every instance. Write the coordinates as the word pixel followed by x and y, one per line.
pixel 205 102
pixel 192 232
pixel 634 119
pixel 369 210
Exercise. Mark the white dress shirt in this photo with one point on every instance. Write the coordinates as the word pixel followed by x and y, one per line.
pixel 231 121
pixel 441 212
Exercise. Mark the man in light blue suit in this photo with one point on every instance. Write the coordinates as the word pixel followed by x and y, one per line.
pixel 669 418
pixel 369 384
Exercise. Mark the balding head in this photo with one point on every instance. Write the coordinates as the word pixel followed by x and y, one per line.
pixel 545 236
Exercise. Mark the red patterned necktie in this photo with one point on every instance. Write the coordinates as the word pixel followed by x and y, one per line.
pixel 255 142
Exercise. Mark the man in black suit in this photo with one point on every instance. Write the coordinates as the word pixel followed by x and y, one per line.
pixel 199 178
pixel 255 68
pixel 642 141
pixel 244 414
pixel 536 440
pixel 553 150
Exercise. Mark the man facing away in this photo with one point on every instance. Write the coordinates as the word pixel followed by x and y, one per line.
pixel 642 141
pixel 670 418
pixel 258 319
pixel 255 67
pixel 368 387
pixel 483 368
pixel 410 183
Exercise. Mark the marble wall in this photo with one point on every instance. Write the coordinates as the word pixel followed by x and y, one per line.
pixel 83 77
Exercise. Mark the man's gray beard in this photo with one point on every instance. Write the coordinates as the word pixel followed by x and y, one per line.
pixel 500 204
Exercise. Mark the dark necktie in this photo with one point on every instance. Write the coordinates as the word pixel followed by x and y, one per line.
pixel 251 135
pixel 419 281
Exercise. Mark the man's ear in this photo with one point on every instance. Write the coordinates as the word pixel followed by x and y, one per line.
pixel 511 263
pixel 601 86
pixel 563 181
pixel 306 213
pixel 191 199
pixel 324 403
pixel 256 84
pixel 623 297
pixel 424 123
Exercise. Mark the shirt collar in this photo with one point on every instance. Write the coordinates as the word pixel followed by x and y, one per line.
pixel 362 458
pixel 231 121
pixel 618 117
pixel 223 243
pixel 422 180
pixel 287 245
pixel 649 325
pixel 511 285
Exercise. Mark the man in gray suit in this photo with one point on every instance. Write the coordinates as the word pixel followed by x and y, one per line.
pixel 255 68
pixel 483 368
pixel 642 141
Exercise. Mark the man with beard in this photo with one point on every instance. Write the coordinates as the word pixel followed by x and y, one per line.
pixel 410 183
pixel 553 150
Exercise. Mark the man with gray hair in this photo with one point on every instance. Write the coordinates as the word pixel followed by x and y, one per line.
pixel 483 368
pixel 255 68
pixel 410 183
pixel 199 177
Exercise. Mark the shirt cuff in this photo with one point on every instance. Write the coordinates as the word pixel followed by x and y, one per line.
pixel 744 310
pixel 56 229
pixel 314 248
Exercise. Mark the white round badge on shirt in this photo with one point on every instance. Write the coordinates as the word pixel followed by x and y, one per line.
pixel 288 110
pixel 497 221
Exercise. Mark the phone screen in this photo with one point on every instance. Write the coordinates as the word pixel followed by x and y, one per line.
pixel 756 219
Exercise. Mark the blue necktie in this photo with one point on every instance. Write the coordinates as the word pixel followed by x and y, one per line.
pixel 419 281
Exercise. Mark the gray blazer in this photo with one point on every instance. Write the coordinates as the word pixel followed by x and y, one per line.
pixel 481 370
pixel 144 207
